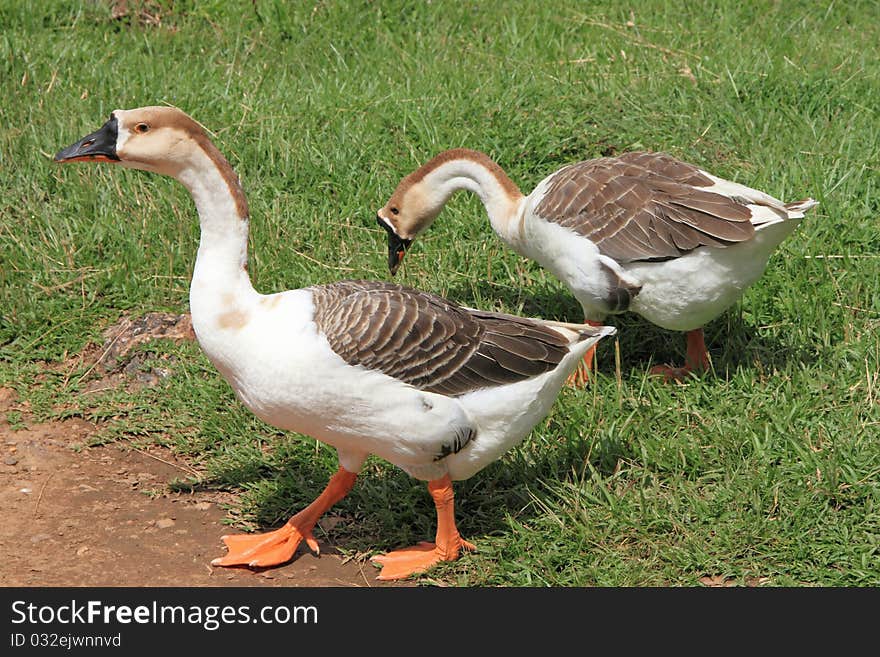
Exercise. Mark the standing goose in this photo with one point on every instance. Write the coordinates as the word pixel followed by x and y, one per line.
pixel 367 367
pixel 642 232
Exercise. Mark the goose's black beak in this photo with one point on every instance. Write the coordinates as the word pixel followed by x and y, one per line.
pixel 397 246
pixel 99 146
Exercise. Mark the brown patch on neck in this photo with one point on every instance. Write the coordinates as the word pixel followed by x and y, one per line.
pixel 226 171
pixel 271 301
pixel 233 319
pixel 509 187
pixel 175 118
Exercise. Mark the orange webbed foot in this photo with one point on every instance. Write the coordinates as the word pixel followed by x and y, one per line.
pixel 697 360
pixel 417 559
pixel 277 547
pixel 262 550
pixel 671 374
pixel 447 546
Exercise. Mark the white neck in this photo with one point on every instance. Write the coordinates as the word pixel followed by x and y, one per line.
pixel 220 269
pixel 499 195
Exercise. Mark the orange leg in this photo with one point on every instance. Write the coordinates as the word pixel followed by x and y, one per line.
pixel 279 546
pixel 696 360
pixel 448 544
pixel 581 376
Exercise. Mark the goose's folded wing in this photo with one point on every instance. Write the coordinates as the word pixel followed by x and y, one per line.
pixel 429 343
pixel 643 206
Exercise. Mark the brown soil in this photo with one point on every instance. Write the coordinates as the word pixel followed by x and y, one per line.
pixel 74 515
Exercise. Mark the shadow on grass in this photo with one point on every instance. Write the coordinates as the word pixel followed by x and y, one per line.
pixel 731 341
pixel 387 509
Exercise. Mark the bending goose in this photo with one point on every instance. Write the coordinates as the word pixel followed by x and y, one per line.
pixel 642 232
pixel 367 367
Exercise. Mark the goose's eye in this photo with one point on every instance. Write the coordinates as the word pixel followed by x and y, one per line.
pixel 395 211
pixel 141 127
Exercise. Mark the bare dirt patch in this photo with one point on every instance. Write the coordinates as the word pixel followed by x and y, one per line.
pixel 74 515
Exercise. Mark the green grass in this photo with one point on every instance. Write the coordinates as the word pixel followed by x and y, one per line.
pixel 765 471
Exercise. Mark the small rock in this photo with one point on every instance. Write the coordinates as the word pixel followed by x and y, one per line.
pixel 82 550
pixel 165 523
pixel 10 460
pixel 26 491
pixel 203 506
pixel 39 538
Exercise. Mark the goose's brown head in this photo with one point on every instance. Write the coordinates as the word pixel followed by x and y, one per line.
pixel 159 139
pixel 411 209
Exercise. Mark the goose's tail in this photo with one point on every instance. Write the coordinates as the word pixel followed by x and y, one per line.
pixel 797 209
pixel 580 332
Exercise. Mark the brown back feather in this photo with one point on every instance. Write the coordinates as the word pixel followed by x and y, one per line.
pixel 429 342
pixel 643 206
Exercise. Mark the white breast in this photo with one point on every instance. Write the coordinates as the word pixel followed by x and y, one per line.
pixel 287 374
